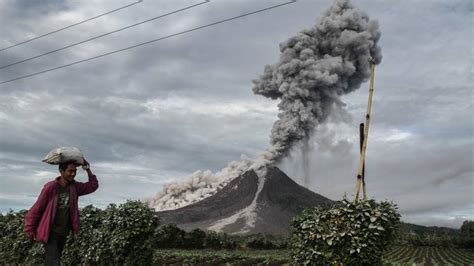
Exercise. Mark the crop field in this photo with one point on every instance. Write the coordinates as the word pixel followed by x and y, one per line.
pixel 222 257
pixel 429 256
pixel 397 256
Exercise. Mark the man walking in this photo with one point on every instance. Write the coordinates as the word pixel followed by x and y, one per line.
pixel 56 212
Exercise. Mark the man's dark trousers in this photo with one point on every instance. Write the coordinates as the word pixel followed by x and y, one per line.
pixel 54 248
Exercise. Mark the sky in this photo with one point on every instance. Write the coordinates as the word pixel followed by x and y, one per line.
pixel 157 113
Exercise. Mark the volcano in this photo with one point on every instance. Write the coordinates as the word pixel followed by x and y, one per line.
pixel 317 66
pixel 242 206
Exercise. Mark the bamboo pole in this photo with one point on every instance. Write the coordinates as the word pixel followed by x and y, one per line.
pixel 366 132
pixel 363 188
pixel 361 138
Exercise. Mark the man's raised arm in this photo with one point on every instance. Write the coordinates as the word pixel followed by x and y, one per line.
pixel 89 186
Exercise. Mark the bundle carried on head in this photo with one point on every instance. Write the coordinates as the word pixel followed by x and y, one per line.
pixel 64 155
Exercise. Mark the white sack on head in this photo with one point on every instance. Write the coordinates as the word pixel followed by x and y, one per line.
pixel 63 155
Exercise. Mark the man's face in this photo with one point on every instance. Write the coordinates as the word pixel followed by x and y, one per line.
pixel 69 173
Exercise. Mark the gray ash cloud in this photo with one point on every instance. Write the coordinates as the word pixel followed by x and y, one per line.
pixel 316 67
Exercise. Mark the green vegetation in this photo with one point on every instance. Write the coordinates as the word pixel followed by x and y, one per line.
pixel 421 236
pixel 405 255
pixel 396 256
pixel 349 233
pixel 467 235
pixel 15 247
pixel 219 257
pixel 131 233
pixel 120 235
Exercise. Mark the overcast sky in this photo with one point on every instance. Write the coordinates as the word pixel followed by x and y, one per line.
pixel 157 113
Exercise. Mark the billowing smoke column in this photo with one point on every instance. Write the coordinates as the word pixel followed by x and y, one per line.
pixel 316 67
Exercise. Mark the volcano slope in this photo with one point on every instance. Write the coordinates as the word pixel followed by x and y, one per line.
pixel 279 200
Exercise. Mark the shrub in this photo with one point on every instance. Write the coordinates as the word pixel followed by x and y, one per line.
pixel 467 234
pixel 261 241
pixel 220 240
pixel 15 246
pixel 90 245
pixel 215 240
pixel 196 239
pixel 354 234
pixel 117 235
pixel 170 236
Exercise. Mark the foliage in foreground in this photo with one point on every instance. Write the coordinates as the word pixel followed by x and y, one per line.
pixel 125 234
pixel 15 246
pixel 131 233
pixel 119 234
pixel 122 234
pixel 354 234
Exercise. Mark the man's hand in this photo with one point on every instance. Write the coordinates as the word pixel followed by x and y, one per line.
pixel 86 165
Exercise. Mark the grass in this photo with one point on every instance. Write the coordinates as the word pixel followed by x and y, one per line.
pixel 397 256
pixel 219 257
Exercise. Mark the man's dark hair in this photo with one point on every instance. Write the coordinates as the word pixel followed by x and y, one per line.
pixel 63 166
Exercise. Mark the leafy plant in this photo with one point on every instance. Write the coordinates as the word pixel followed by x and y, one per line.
pixel 169 236
pixel 467 234
pixel 15 246
pixel 354 234
pixel 119 235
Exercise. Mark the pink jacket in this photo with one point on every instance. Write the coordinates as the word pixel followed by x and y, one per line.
pixel 40 217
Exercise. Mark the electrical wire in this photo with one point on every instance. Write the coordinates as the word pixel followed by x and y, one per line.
pixel 102 35
pixel 70 26
pixel 148 42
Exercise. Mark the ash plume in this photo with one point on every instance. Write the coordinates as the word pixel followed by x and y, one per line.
pixel 316 67
pixel 203 184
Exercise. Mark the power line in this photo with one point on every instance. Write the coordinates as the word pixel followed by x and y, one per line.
pixel 102 35
pixel 148 42
pixel 70 26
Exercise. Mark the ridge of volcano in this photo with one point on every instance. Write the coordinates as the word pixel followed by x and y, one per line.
pixel 239 207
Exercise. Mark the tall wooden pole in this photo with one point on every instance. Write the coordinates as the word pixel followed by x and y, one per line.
pixel 361 138
pixel 366 133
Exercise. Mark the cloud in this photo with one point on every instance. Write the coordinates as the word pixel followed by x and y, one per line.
pixel 162 111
